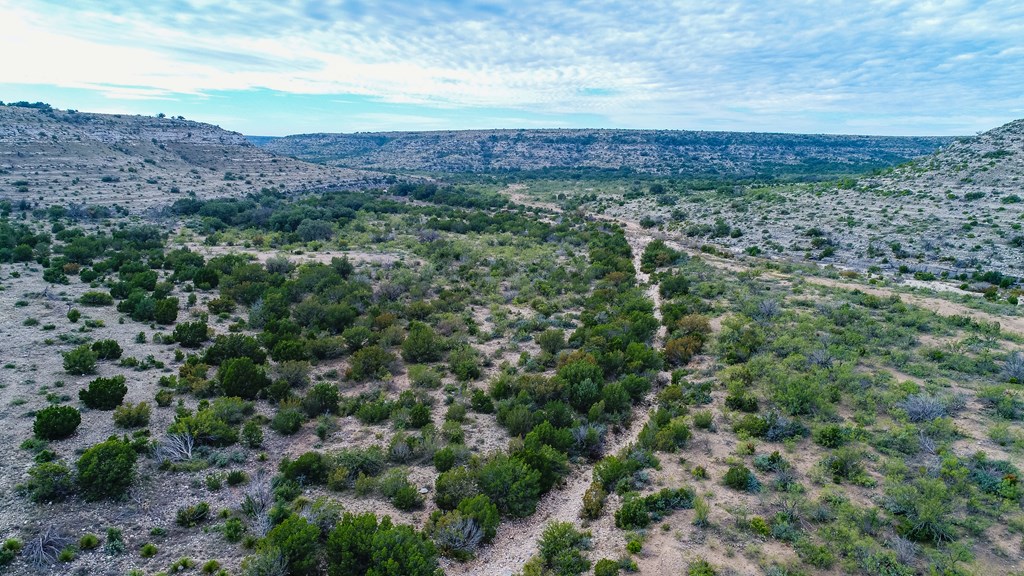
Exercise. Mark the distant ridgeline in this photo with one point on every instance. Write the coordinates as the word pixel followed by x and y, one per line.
pixel 611 153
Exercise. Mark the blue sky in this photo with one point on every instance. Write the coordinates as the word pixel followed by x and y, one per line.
pixel 284 67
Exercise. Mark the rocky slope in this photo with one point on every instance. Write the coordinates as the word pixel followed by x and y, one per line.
pixel 957 211
pixel 732 154
pixel 50 156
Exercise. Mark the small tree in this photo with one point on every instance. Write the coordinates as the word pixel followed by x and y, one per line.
pixel 80 361
pixel 106 470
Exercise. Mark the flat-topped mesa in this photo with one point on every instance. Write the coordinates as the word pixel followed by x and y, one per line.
pixel 668 152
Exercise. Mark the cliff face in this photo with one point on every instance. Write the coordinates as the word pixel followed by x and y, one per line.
pixel 734 154
pixel 62 157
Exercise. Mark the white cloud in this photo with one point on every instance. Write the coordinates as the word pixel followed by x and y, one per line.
pixel 775 62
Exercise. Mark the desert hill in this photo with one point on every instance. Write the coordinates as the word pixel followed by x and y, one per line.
pixel 668 152
pixel 50 156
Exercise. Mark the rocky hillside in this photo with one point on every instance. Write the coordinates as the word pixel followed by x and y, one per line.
pixel 733 154
pixel 957 211
pixel 990 164
pixel 50 156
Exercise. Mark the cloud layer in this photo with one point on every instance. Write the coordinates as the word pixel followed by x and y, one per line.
pixel 875 66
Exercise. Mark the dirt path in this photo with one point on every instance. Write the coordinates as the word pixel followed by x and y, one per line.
pixel 516 541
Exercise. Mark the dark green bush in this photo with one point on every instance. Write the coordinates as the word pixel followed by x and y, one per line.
pixel 106 470
pixel 104 393
pixel 484 512
pixel 370 362
pixel 298 541
pixel 227 346
pixel 739 477
pixel 242 378
pixel 309 468
pixel 191 334
pixel 56 422
pixel 421 345
pixel 107 349
pixel 96 299
pixel 166 311
pixel 512 485
pixel 323 398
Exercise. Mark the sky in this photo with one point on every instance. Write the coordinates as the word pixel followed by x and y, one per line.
pixel 925 67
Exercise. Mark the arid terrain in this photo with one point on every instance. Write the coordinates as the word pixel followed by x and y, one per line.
pixel 544 376
pixel 50 156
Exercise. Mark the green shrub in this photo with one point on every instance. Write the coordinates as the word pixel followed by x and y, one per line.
pixel 606 567
pixel 242 378
pixel 830 436
pixel 593 501
pixel 107 349
pixel 423 376
pixel 166 311
pixel 190 516
pixel 88 542
pixel 444 459
pixel 106 470
pixel 421 345
pixel 309 468
pixel 227 346
pixel 252 434
pixel 703 419
pixel 464 363
pixel 234 529
pixel 512 485
pixel 483 512
pixel 323 398
pixel 80 361
pixel 56 422
pixel 370 362
pixel 454 486
pixel 633 514
pixel 132 415
pixel 288 420
pixel 561 549
pixel 298 541
pixel 96 299
pixel 49 482
pixel 148 550
pixel 104 393
pixel 191 334
pixel 9 550
pixel 701 567
pixel 739 477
